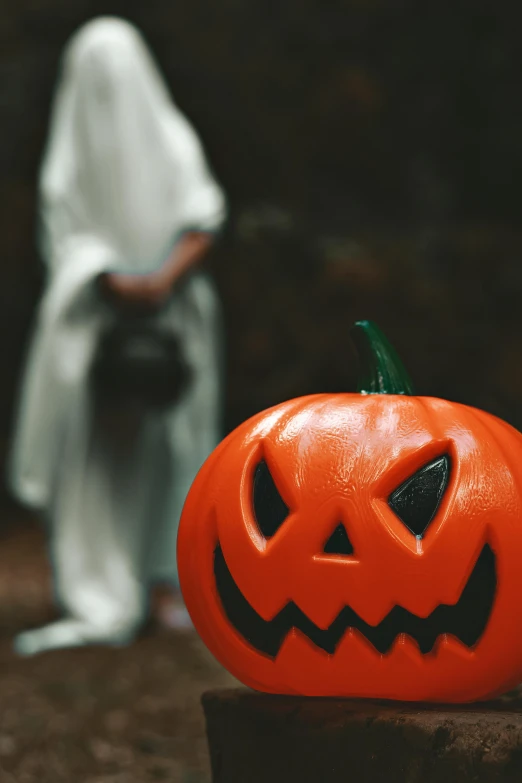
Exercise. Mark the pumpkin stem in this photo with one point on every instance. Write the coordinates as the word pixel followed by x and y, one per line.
pixel 380 369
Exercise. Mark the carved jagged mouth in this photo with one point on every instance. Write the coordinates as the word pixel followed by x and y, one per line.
pixel 466 620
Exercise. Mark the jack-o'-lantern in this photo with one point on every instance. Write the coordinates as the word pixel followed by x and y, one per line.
pixel 365 545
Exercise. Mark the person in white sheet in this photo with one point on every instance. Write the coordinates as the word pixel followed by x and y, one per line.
pixel 128 207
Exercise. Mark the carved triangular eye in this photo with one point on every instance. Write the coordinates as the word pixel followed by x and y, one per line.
pixel 339 543
pixel 270 509
pixel 416 501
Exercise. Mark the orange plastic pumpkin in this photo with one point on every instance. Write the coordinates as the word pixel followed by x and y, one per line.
pixel 364 545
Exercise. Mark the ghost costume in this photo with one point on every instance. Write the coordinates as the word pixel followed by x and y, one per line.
pixel 123 177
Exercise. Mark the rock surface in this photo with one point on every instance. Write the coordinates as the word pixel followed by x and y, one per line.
pixel 261 738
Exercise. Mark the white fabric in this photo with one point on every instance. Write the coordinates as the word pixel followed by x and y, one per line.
pixel 123 176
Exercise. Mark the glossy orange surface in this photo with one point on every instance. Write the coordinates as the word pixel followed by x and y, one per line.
pixel 337 458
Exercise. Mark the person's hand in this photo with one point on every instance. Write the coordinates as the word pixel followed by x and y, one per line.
pixel 150 290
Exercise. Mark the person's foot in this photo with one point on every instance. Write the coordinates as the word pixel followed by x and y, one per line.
pixel 169 610
pixel 68 633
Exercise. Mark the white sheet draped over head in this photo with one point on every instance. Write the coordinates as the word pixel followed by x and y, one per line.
pixel 123 174
pixel 122 163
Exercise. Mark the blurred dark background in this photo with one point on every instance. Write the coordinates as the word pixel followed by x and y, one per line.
pixel 372 153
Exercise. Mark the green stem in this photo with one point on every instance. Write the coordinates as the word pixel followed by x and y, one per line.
pixel 380 369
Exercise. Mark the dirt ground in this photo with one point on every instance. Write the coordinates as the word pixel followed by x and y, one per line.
pixel 95 715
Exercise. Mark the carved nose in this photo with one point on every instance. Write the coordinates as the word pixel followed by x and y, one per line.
pixel 339 543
